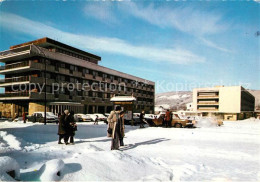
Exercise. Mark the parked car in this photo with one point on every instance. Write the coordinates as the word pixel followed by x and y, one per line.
pixel 107 114
pixel 91 116
pixel 149 116
pixel 176 121
pixel 101 117
pixel 39 117
pixel 51 114
pixel 4 119
pixel 82 117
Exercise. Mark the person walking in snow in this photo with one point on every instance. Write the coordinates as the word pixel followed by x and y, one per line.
pixel 96 120
pixel 111 131
pixel 61 128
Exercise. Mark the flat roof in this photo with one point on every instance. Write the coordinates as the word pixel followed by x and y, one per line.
pixel 44 42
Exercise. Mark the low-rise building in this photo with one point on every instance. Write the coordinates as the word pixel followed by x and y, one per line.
pixel 228 103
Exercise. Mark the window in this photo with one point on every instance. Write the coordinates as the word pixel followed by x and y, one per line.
pixel 62 65
pixel 112 78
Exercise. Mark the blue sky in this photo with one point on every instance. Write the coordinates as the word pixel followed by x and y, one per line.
pixel 179 45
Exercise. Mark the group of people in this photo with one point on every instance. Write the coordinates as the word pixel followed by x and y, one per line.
pixel 67 127
pixel 115 129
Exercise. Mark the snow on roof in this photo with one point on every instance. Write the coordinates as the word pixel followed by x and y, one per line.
pixel 122 99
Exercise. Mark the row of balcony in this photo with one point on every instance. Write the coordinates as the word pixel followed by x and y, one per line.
pixel 25 79
pixel 32 65
pixel 40 80
pixel 60 97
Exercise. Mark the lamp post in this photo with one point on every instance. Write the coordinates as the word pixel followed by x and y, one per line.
pixel 45 81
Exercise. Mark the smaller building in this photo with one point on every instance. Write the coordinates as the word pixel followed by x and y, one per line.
pixel 189 106
pixel 228 103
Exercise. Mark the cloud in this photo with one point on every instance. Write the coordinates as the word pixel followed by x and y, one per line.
pixel 213 45
pixel 99 44
pixel 170 75
pixel 185 19
pixel 101 11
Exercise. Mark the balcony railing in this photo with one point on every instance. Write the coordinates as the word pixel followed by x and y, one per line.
pixel 15 52
pixel 15 94
pixel 2 68
pixel 15 79
pixel 16 65
pixel 207 103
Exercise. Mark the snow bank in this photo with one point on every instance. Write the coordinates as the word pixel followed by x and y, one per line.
pixel 8 164
pixel 174 97
pixel 206 122
pixel 51 170
pixel 185 95
pixel 10 140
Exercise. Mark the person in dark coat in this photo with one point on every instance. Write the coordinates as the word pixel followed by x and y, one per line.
pixel 61 128
pixel 141 119
pixel 71 127
pixel 121 128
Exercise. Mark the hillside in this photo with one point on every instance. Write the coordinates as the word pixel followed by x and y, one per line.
pixel 173 100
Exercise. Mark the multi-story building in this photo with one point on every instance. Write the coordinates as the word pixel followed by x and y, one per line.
pixel 229 103
pixel 74 80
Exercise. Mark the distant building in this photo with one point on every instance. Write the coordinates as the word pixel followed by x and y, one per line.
pixel 229 103
pixel 189 106
pixel 66 68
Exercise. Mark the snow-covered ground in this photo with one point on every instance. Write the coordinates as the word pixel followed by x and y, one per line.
pixel 227 153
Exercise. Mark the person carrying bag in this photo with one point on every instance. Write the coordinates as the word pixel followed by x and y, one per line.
pixel 111 130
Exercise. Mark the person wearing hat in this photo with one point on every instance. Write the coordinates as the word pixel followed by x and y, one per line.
pixel 111 131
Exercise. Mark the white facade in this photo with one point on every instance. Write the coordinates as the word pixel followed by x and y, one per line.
pixel 189 106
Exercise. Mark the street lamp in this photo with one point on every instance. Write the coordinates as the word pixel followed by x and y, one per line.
pixel 45 81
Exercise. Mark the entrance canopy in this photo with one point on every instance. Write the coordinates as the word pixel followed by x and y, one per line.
pixel 65 103
pixel 123 99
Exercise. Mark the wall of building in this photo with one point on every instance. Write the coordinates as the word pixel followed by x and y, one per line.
pixel 7 110
pixel 247 101
pixel 36 107
pixel 229 99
